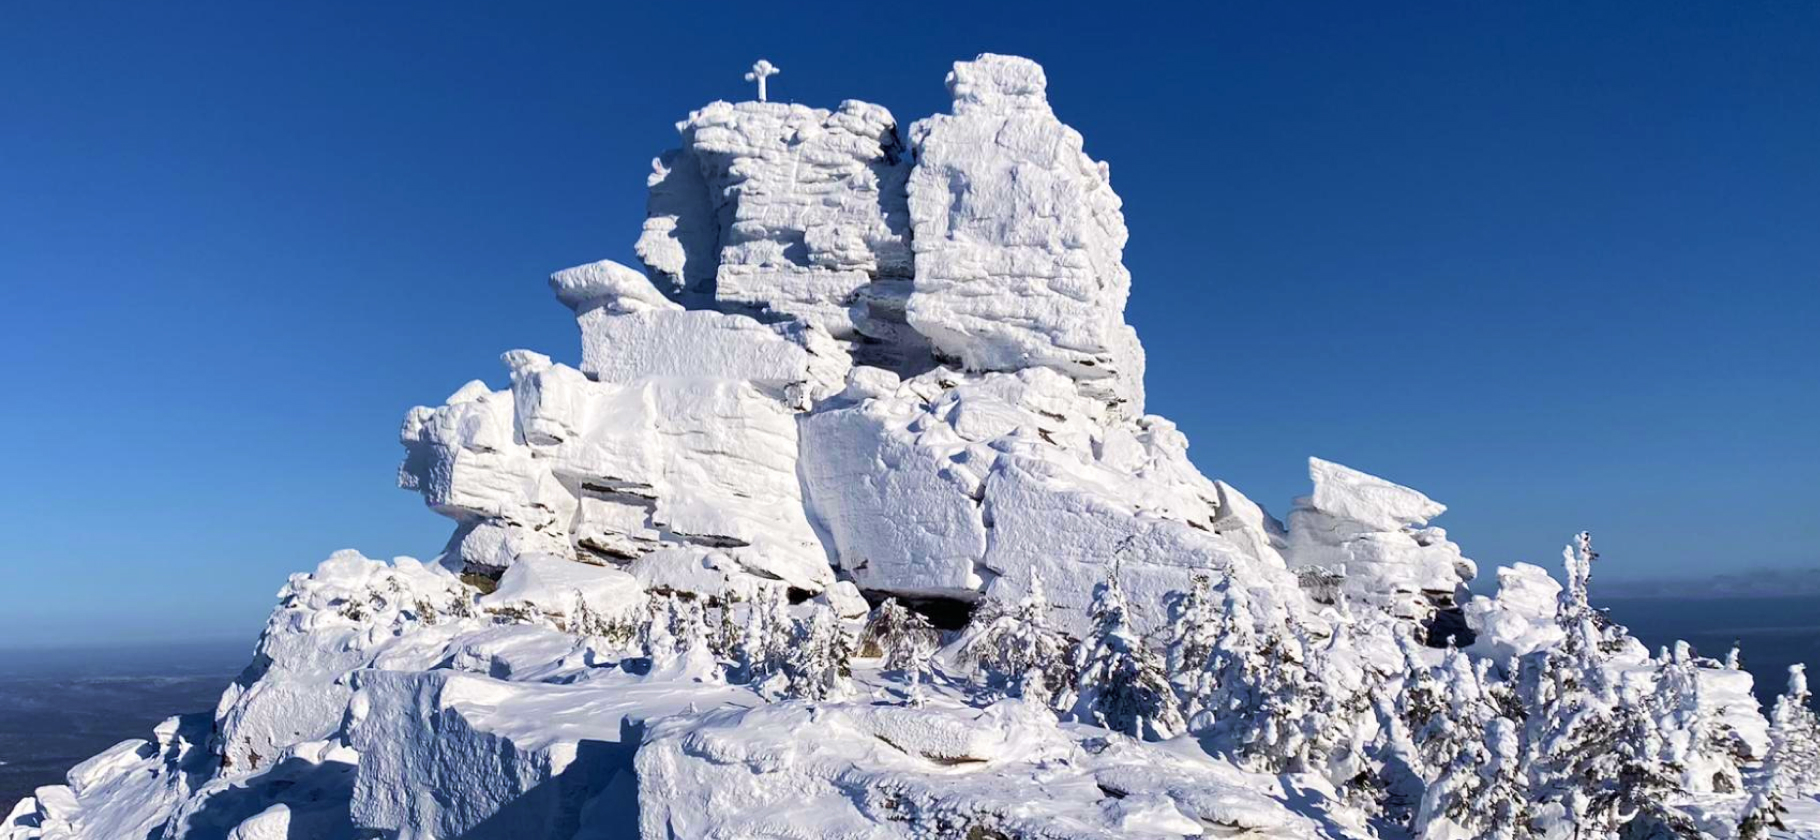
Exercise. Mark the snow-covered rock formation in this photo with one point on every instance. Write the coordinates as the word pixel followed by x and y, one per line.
pixel 1019 238
pixel 861 366
pixel 1370 539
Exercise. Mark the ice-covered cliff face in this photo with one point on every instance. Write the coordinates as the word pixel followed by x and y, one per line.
pixel 858 363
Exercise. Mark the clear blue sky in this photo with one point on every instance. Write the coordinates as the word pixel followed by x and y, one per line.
pixel 1556 264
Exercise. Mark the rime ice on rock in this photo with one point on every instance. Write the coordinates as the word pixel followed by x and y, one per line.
pixel 1018 237
pixel 1373 535
pixel 952 484
pixel 787 211
pixel 671 451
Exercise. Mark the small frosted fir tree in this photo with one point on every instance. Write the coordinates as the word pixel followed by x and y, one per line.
pixel 1595 749
pixel 1121 684
pixel 695 656
pixel 765 644
pixel 904 642
pixel 1792 766
pixel 1692 743
pixel 590 622
pixel 724 641
pixel 820 667
pixel 1015 650
pixel 1333 731
pixel 1480 784
pixel 1189 638
pixel 675 639
pixel 1263 693
pixel 1389 787
pixel 1232 664
pixel 656 638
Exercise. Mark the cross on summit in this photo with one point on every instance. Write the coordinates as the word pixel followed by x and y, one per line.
pixel 758 73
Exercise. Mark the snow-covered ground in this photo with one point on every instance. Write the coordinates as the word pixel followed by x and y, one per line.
pixel 848 522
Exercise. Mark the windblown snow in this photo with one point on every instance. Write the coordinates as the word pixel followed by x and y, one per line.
pixel 847 521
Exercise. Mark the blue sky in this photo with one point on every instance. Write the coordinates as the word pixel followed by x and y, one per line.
pixel 1555 264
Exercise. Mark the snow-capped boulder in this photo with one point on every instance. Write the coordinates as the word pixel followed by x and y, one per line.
pixel 786 210
pixel 129 790
pixel 328 623
pixel 1371 535
pixel 1019 237
pixel 948 483
pixel 529 759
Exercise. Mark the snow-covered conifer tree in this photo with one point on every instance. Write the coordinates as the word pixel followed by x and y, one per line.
pixel 902 639
pixel 1014 648
pixel 1232 665
pixel 695 660
pixel 1691 743
pixel 1596 750
pixel 1389 786
pixel 725 639
pixel 1792 766
pixel 587 621
pixel 819 667
pixel 1188 641
pixel 765 644
pixel 1480 786
pixel 1121 684
pixel 1262 691
pixel 657 639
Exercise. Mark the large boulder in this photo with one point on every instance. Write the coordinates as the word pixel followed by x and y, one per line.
pixel 956 485
pixel 1019 237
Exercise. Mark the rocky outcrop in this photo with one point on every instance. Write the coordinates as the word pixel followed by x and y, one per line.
pixel 1369 539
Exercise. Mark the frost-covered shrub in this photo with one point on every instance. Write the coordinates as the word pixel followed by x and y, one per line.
pixel 1472 744
pixel 764 643
pixel 902 639
pixel 587 621
pixel 1189 638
